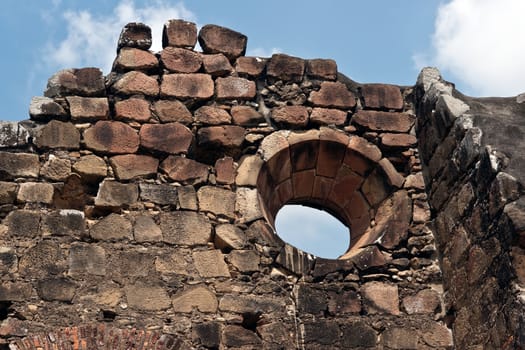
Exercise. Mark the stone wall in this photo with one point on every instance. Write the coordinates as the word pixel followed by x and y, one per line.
pixel 138 209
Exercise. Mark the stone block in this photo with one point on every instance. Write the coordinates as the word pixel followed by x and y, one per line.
pixel 43 259
pixel 216 39
pixel 234 88
pixel 328 116
pixel 325 69
pixel 380 298
pixel 8 260
pixel 179 60
pixel 44 108
pixel 170 111
pixel 346 182
pixel 333 95
pixel 246 304
pixel 400 338
pixel 229 237
pixel 246 116
pixel 146 230
pixel 81 82
pixel 113 227
pixel 185 228
pixel 136 83
pixel 57 134
pixel 426 301
pixel 13 165
pixel 56 289
pixel 225 170
pixel 216 200
pixel 383 121
pixel 295 260
pixel 91 168
pixel 438 335
pixel 248 170
pixel 130 58
pixel 303 184
pixel 343 302
pixel 35 192
pixel 393 177
pixel 398 140
pixel 250 66
pixel 147 297
pixel 179 33
pixel 65 222
pixel 111 137
pixel 56 169
pixel 324 332
pixel 185 170
pixel 115 194
pixel 172 138
pixel 8 191
pixel 133 109
pixel 247 205
pixel 274 144
pixel 198 297
pixel 312 300
pixel 15 291
pixel 173 263
pixel 216 65
pixel 415 181
pixel 375 188
pixel 393 219
pixel 358 334
pixel 131 166
pixel 210 115
pixel 238 337
pixel 83 109
pixel 187 197
pixel 196 86
pixel 293 117
pixel 382 96
pixel 135 35
pixel 286 68
pixel 330 158
pixel 163 194
pixel 365 148
pixel 208 334
pixel 221 136
pixel 13 134
pixel 210 263
pixel 87 258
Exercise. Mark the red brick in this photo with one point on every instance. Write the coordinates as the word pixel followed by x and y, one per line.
pixel 216 39
pixel 384 121
pixel 210 115
pixel 180 60
pixel 382 96
pixel 170 111
pixel 321 69
pixel 130 166
pixel 365 148
pixel 291 116
pixel 111 137
pixel 250 66
pixel 134 109
pixel 330 158
pixel 328 116
pixel 303 183
pixel 216 65
pixel 135 59
pixel 222 136
pixel 235 88
pixel 170 138
pixel 246 116
pixel 225 170
pixel 196 86
pixel 333 94
pixel 286 68
pixel 88 108
pixel 179 33
pixel 398 140
pixel 135 35
pixel 137 83
pixel 185 170
pixel 392 176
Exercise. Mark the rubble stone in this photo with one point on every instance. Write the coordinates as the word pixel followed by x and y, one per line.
pixel 216 39
pixel 130 166
pixel 185 227
pixel 170 111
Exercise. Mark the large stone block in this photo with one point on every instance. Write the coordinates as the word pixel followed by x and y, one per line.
pixel 216 39
pixel 81 82
pixel 179 33
pixel 247 205
pixel 170 138
pixel 56 169
pixel 225 170
pixel 135 59
pixel 130 166
pixel 382 298
pixel 14 165
pixel 35 192
pixel 333 95
pixel 135 35
pixel 23 223
pixel 185 228
pixel 221 136
pixel 57 134
pixel 294 117
pixel 56 289
pixel 238 337
pixel 8 192
pixel 64 222
pixel 246 304
pixel 136 83
pixel 83 109
pixel 208 334
pixel 196 86
pixel 233 88
pixel 115 194
pixel 170 111
pixel 383 121
pixel 210 115
pixel 286 68
pixel 248 170
pixel 13 134
pixel 111 137
pixel 324 332
pixel 15 291
pixel 146 230
pixel 198 297
pixel 210 263
pixel 180 60
pixel 162 194
pixel 250 66
pixel 43 259
pixel 245 261
pixel 147 297
pixel 91 168
pixel 229 237
pixel 216 65
pixel 87 259
pixel 216 200
pixel 382 96
pixel 321 69
pixel 357 334
pixel 44 108
pixel 246 116
pixel 328 116
pixel 133 109
pixel 184 170
pixel 113 227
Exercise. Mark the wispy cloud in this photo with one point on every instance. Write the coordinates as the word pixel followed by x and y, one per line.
pixel 91 40
pixel 263 52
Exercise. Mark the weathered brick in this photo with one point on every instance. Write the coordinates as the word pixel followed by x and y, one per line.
pixel 221 136
pixel 135 59
pixel 210 263
pixel 136 83
pixel 81 82
pixel 57 134
pixel 216 200
pixel 246 116
pixel 250 66
pixel 216 39
pixel 56 169
pixel 130 166
pixel 170 111
pixel 187 171
pixel 147 297
pixel 187 86
pixel 217 65
pixel 383 121
pixel 133 109
pixel 328 116
pixel 111 137
pixel 115 194
pixel 163 194
pixel 170 138
pixel 135 35
pixel 44 108
pixel 185 228
pixel 286 68
pixel 235 88
pixel 180 60
pixel 225 170
pixel 334 95
pixel 198 297
pixel 35 192
pixel 210 115
pixel 382 96
pixel 179 33
pixel 321 69
pixel 91 168
pixel 294 117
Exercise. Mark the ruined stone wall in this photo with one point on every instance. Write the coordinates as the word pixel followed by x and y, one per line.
pixel 138 209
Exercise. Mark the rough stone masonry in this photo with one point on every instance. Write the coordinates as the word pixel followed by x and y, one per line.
pixel 137 209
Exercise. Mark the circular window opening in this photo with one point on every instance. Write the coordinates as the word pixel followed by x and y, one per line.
pixel 312 230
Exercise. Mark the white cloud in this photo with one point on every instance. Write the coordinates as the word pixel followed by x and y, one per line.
pixel 262 52
pixel 480 42
pixel 92 40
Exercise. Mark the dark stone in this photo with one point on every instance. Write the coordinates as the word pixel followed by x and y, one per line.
pixel 357 334
pixel 76 82
pixel 17 291
pixel 14 165
pixel 237 336
pixel 56 289
pixel 136 35
pixel 311 300
pixel 179 33
pixel 321 332
pixel 43 259
pixel 23 223
pixel 162 194
pixel 209 334
pixel 286 68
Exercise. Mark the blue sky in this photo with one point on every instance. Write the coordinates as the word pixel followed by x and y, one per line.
pixel 477 44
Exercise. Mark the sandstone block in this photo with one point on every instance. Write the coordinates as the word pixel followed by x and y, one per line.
pixel 111 137
pixel 15 291
pixel 393 177
pixel 209 115
pixel 179 33
pixel 66 222
pixel 400 338
pixel 187 197
pixel 196 86
pixel 382 96
pixel 35 192
pixel 180 60
pixel 294 117
pixel 383 121
pixel 438 335
pixel 147 297
pixel 43 259
pixel 133 109
pixel 56 134
pixel 135 35
pixel 398 140
pixel 210 263
pixel 112 228
pixel 229 237
pixel 246 116
pixel 286 68
pixel 216 39
pixel 331 155
pixel 247 205
pixel 173 263
pixel 84 109
pixel 146 230
pixel 44 108
pixel 239 337
pixel 233 88
pixel 91 168
pixel 136 83
pixel 170 138
pixel 170 111
pixel 328 116
pixel 333 95
pixel 135 59
pixel 23 223
pixel 321 69
pixel 322 332
pixel 379 297
pixel 221 136
pixel 13 134
pixel 8 192
pixel 250 66
pixel 56 169
pixel 393 219
pixel 375 188
pixel 185 228
pixel 415 181
pixel 56 289
pixel 250 304
pixel 216 200
pixel 115 194
pixel 163 194
pixel 130 166
pixel 216 65
pixel 425 301
pixel 198 297
pixel 81 82
pixel 185 170
pixel 248 170
pixel 208 334
pixel 244 260
pixel 225 170
pixel 87 259
pixel 365 148
pixel 343 302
